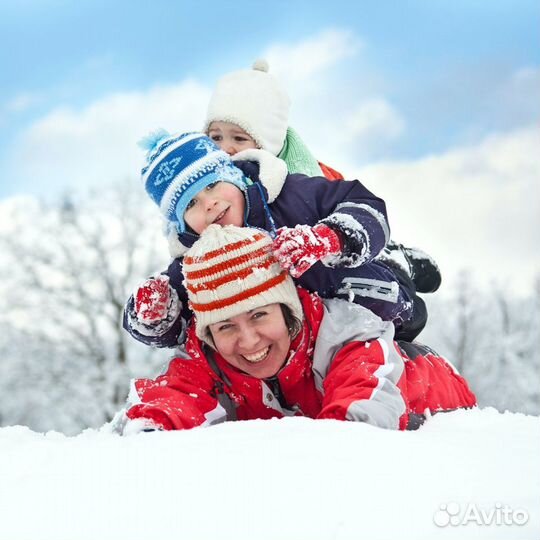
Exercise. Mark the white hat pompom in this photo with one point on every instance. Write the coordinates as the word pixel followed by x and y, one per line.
pixel 260 65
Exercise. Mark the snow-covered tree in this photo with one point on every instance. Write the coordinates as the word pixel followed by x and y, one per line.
pixel 491 336
pixel 68 268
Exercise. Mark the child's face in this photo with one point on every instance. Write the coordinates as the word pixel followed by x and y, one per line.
pixel 222 203
pixel 230 138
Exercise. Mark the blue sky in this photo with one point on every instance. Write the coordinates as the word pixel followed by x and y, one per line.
pixel 441 64
pixel 400 94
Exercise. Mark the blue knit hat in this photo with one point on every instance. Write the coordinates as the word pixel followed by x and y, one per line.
pixel 179 166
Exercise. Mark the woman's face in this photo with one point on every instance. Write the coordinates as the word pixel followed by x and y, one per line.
pixel 256 342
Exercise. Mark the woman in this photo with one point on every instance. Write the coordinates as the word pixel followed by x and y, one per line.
pixel 260 348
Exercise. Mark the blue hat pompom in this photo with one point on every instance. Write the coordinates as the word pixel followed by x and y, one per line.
pixel 152 140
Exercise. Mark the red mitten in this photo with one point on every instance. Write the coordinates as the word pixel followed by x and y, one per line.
pixel 152 300
pixel 298 249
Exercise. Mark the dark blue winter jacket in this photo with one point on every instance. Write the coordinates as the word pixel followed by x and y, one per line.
pixel 347 207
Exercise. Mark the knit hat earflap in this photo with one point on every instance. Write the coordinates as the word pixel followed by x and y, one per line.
pixel 179 166
pixel 254 100
pixel 231 270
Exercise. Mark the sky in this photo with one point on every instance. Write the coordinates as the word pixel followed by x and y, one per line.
pixel 289 478
pixel 433 105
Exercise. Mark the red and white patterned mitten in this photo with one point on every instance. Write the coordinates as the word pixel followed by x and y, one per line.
pixel 298 249
pixel 152 300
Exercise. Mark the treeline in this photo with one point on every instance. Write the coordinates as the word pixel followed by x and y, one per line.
pixel 68 268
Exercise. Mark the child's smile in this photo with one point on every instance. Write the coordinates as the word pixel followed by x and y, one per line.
pixel 222 203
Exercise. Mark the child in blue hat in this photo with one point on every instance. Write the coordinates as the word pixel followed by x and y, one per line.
pixel 343 228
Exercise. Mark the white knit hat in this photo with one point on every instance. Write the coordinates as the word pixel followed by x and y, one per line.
pixel 255 101
pixel 231 270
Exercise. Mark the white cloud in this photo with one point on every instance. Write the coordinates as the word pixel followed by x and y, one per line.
pixel 475 207
pixel 351 133
pixel 527 78
pixel 372 118
pixel 97 144
pixel 22 102
pixel 326 80
pixel 293 63
pixel 514 100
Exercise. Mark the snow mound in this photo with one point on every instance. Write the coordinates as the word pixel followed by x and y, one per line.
pixel 467 474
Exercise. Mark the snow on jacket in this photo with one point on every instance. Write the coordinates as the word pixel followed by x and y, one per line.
pixel 347 207
pixel 343 365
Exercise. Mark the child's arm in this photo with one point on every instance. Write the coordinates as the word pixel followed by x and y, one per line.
pixel 299 248
pixel 356 215
pixel 153 298
pixel 156 314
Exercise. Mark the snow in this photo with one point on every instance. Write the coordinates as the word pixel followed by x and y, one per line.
pixel 291 478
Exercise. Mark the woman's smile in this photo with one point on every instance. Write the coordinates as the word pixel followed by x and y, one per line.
pixel 257 356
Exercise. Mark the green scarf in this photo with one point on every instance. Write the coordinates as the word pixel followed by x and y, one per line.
pixel 297 156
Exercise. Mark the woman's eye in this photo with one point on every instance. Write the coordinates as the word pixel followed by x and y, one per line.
pixel 240 139
pixel 224 327
pixel 259 314
pixel 215 138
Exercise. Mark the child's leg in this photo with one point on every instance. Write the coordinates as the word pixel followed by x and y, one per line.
pixel 432 383
pixel 422 268
pixel 386 290
pixel 409 329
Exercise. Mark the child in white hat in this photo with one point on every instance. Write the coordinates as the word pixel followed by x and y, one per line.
pixel 249 109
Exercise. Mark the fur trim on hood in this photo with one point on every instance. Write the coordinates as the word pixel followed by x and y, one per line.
pixel 272 170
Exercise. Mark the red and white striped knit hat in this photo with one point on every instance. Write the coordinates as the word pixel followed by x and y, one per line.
pixel 231 270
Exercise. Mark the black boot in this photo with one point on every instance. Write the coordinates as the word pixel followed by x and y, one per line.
pixel 421 268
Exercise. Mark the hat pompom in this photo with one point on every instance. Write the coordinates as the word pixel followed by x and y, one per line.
pixel 152 140
pixel 260 65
